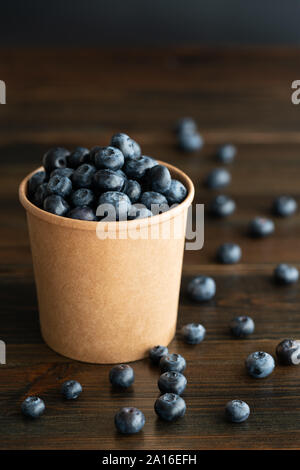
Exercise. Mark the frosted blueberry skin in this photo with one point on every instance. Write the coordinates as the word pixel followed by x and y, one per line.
pixel 229 253
pixel 82 213
pixel 172 382
pixel 107 180
pixel 71 389
pixel 133 190
pixel 222 206
pixel 138 211
pixel 172 362
pixel 288 352
pixel 68 172
pixel 176 193
pixel 82 197
pixel 79 156
pixel 156 353
pixel 237 411
pixel 129 420
pixel 33 407
pixel 119 201
pixel 261 227
pixel 56 205
pixel 157 179
pixel 284 206
pixel 218 178
pixel 124 143
pixel 286 274
pixel 135 168
pixel 34 182
pixel 150 198
pixel 226 153
pixel 193 333
pixel 83 176
pixel 170 407
pixel 201 288
pixel 55 158
pixel 40 195
pixel 60 185
pixel 121 376
pixel 260 364
pixel 110 158
pixel 242 326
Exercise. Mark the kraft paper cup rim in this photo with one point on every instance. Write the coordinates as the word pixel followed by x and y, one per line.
pixel 122 225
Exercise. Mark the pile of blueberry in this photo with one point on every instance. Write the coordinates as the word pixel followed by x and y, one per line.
pixel 76 184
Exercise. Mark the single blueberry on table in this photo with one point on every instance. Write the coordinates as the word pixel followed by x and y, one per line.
pixel 261 227
pixel 172 382
pixel 242 326
pixel 113 205
pixel 124 143
pixel 40 195
pixel 156 353
pixel 260 364
pixel 222 206
pixel 71 389
pixel 82 197
pixel 170 407
pixel 79 156
pixel 186 125
pixel 110 158
pixel 60 185
pixel 62 172
pixel 172 362
pixel 237 411
pixel 121 376
pixel 288 352
pixel 190 141
pixel 34 182
pixel 193 333
pixel 83 176
pixel 201 288
pixel 229 253
pixel 284 206
pixel 226 153
pixel 108 180
pixel 286 274
pixel 133 190
pixel 129 420
pixel 157 179
pixel 82 213
pixel 135 168
pixel 33 407
pixel 154 201
pixel 56 205
pixel 218 178
pixel 176 193
pixel 138 211
pixel 55 158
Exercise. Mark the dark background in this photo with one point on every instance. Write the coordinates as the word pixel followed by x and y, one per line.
pixel 155 22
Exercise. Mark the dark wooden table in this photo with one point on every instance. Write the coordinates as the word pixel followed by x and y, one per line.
pixel 82 97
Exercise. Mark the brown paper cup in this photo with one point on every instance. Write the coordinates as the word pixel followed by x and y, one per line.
pixel 107 291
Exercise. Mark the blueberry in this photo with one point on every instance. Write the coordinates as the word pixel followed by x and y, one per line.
pixel 56 205
pixel 135 168
pixel 158 179
pixel 229 253
pixel 120 203
pixel 288 352
pixel 190 141
pixel 170 407
pixel 108 180
pixel 193 333
pixel 176 193
pixel 121 376
pixel 33 407
pixel 110 158
pixel 137 152
pixel 62 172
pixel 201 288
pixel 93 152
pixel 157 353
pixel 55 158
pixel 172 362
pixel 127 146
pixel 34 182
pixel 82 213
pixel 226 153
pixel 261 227
pixel 218 178
pixel 133 190
pixel 40 195
pixel 237 411
pixel 129 420
pixel 284 206
pixel 83 176
pixel 260 364
pixel 82 197
pixel 154 201
pixel 71 389
pixel 186 125
pixel 78 157
pixel 242 326
pixel 138 211
pixel 286 274
pixel 172 382
pixel 222 206
pixel 60 185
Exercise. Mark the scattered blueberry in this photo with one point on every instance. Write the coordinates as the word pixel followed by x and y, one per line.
pixel 109 158
pixel 133 190
pixel 129 420
pixel 108 180
pixel 79 156
pixel 286 274
pixel 260 364
pixel 193 333
pixel 83 176
pixel 172 362
pixel 176 193
pixel 138 211
pixel 190 141
pixel 71 389
pixel 242 326
pixel 68 172
pixel 229 253
pixel 170 407
pixel 55 158
pixel 56 205
pixel 155 202
pixel 158 178
pixel 125 144
pixel 33 407
pixel 121 376
pixel 226 153
pixel 60 185
pixel 201 288
pixel 157 353
pixel 40 195
pixel 261 227
pixel 288 352
pixel 172 382
pixel 284 206
pixel 186 125
pixel 34 182
pixel 237 411
pixel 218 178
pixel 82 197
pixel 222 206
pixel 119 205
pixel 135 168
pixel 82 213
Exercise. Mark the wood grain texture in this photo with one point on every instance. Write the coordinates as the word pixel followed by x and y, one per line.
pixel 80 97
